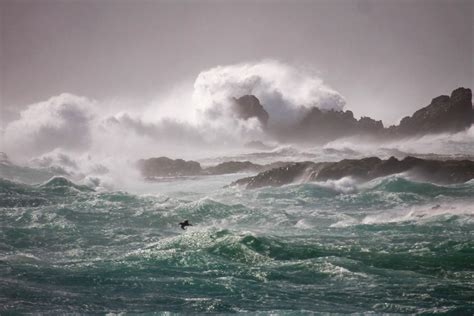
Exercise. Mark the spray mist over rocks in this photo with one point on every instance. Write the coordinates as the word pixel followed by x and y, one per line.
pixel 266 102
pixel 63 121
pixel 77 125
pixel 284 91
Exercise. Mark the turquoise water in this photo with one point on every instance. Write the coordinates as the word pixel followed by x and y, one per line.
pixel 388 246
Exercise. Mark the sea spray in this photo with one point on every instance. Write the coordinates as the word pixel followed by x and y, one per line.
pixel 388 246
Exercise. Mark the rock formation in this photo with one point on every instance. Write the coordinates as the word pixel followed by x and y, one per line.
pixel 166 167
pixel 321 126
pixel 437 171
pixel 234 167
pixel 249 106
pixel 443 114
pixel 287 174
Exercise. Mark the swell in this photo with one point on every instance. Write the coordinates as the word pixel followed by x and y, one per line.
pixel 380 243
pixel 214 267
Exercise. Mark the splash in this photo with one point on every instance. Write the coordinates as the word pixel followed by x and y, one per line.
pixel 458 144
pixel 283 90
pixel 188 118
pixel 63 121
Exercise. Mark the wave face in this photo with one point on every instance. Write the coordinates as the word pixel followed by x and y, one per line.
pixel 388 246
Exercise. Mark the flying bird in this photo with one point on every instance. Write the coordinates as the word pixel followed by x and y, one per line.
pixel 184 224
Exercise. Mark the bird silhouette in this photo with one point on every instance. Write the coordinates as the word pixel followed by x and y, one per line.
pixel 184 224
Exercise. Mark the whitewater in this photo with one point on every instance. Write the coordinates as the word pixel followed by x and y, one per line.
pixel 82 231
pixel 388 246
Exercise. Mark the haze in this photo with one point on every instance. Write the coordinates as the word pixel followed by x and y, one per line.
pixel 386 58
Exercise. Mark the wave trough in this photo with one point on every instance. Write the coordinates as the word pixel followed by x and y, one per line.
pixel 388 246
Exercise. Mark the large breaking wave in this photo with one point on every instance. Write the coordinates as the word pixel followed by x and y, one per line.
pixel 84 138
pixel 191 119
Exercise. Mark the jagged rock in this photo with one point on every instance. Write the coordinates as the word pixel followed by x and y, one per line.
pixel 323 126
pixel 275 177
pixel 234 167
pixel 437 171
pixel 443 114
pixel 348 167
pixel 368 125
pixel 166 167
pixel 249 106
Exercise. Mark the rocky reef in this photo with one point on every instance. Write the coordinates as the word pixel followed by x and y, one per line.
pixel 320 126
pixel 445 114
pixel 289 173
pixel 437 171
pixel 166 167
pixel 234 167
pixel 249 106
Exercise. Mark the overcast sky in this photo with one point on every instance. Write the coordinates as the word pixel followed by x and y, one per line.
pixel 387 58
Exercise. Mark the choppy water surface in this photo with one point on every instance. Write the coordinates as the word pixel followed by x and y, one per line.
pixel 388 246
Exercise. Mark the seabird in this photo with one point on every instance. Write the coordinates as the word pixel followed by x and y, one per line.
pixel 184 224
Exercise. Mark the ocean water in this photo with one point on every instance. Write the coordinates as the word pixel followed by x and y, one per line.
pixel 388 246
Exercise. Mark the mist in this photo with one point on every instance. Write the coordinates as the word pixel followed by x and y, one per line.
pixel 190 117
pixel 199 120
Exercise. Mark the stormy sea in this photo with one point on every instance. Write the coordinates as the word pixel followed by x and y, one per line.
pixel 389 245
pixel 296 206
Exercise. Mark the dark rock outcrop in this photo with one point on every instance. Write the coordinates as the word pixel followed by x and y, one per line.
pixel 249 106
pixel 322 126
pixel 443 114
pixel 437 171
pixel 166 167
pixel 358 168
pixel 368 125
pixel 234 167
pixel 287 174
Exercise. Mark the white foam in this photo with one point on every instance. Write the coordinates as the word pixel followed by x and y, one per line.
pixel 343 185
pixel 420 213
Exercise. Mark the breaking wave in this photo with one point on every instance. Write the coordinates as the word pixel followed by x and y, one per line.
pixel 72 248
pixel 79 126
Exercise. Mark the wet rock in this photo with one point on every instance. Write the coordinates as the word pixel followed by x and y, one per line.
pixel 234 167
pixel 436 171
pixel 275 177
pixel 443 115
pixel 166 167
pixel 249 106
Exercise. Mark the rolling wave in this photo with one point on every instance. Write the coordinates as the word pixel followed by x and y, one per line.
pixel 392 245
